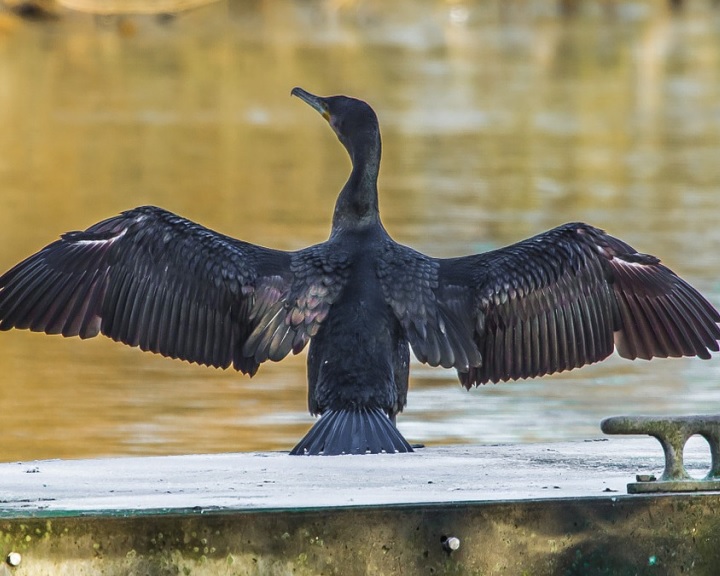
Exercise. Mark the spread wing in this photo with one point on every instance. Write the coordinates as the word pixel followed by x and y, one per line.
pixel 557 301
pixel 152 279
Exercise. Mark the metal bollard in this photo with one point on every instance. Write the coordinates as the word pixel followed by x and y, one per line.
pixel 672 432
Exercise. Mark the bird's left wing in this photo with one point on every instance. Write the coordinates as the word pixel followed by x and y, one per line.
pixel 152 279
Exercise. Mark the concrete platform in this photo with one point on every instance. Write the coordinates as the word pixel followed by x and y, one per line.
pixel 535 509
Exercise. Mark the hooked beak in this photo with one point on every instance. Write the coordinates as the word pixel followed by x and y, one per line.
pixel 316 102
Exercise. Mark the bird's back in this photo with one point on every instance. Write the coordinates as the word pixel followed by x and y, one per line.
pixel 353 355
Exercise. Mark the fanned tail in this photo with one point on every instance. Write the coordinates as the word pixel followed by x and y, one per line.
pixel 352 432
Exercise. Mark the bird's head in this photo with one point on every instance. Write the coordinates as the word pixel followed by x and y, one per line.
pixel 353 120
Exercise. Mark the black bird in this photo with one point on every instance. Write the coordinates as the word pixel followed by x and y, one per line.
pixel 550 303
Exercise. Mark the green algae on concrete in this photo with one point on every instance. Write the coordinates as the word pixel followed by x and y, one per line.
pixel 639 535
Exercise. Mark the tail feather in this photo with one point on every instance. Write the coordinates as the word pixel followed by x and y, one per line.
pixel 367 430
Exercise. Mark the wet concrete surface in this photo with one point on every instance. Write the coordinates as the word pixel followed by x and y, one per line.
pixel 515 509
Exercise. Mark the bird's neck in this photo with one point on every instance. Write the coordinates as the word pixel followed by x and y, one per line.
pixel 357 204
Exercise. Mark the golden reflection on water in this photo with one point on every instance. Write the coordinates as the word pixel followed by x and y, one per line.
pixel 499 120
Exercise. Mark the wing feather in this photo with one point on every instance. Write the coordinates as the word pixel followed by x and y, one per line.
pixel 44 311
pixel 157 306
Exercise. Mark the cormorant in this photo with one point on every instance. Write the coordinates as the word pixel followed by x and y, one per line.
pixel 553 302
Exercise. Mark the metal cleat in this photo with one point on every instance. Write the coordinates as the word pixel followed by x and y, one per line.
pixel 672 432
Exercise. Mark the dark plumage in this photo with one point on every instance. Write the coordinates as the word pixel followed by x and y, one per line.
pixel 554 302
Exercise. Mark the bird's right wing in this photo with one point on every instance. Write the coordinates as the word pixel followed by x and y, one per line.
pixel 152 279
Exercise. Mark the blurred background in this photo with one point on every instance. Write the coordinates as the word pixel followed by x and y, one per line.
pixel 500 119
